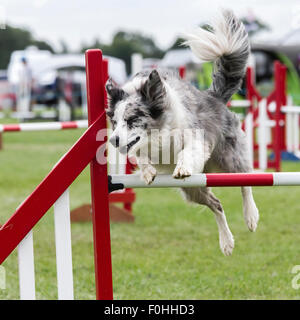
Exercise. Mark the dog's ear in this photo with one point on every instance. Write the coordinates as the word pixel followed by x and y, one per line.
pixel 153 93
pixel 114 93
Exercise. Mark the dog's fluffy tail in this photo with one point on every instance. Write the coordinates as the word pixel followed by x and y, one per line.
pixel 228 46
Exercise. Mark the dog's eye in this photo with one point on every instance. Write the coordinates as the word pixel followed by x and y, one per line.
pixel 113 122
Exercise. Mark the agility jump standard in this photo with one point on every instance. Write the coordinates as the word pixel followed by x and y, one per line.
pixel 17 231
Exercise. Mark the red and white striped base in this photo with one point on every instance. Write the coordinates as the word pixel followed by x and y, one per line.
pixel 213 180
pixel 43 126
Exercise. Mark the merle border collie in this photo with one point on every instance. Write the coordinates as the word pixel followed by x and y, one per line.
pixel 159 101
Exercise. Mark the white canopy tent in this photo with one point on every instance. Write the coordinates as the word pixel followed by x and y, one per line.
pixel 44 65
pixel 179 57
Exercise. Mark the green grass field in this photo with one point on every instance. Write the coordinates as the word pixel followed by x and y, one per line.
pixel 171 251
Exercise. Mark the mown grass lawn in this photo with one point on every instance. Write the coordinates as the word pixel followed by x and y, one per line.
pixel 171 251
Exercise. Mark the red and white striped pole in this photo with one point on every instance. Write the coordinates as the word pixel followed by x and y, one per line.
pixel 211 180
pixel 43 126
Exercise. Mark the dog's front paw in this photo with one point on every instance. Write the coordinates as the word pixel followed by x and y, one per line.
pixel 227 244
pixel 181 172
pixel 148 174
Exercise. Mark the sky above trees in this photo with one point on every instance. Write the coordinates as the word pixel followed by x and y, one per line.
pixel 80 22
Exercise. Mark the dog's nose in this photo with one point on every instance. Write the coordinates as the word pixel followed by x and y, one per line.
pixel 115 141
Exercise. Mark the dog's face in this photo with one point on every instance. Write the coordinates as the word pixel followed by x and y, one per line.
pixel 134 114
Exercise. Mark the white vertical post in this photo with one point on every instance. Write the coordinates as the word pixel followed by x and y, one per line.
pixel 296 133
pixel 262 135
pixel 122 160
pixel 249 134
pixel 26 268
pixel 289 127
pixel 136 63
pixel 63 247
pixel 122 163
pixel 64 111
pixel 289 131
pixel 251 63
pixel 83 98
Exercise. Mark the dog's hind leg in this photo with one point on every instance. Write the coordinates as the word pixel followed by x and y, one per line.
pixel 251 214
pixel 206 197
pixel 237 161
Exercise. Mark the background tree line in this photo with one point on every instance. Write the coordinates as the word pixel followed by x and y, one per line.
pixel 12 39
pixel 122 46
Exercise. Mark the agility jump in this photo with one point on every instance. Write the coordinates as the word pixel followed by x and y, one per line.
pixel 17 231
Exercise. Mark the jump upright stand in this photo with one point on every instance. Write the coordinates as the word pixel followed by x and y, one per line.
pixel 100 204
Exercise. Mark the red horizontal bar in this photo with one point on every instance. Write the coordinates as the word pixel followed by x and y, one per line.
pixel 126 197
pixel 50 189
pixel 69 125
pixel 11 127
pixel 236 179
